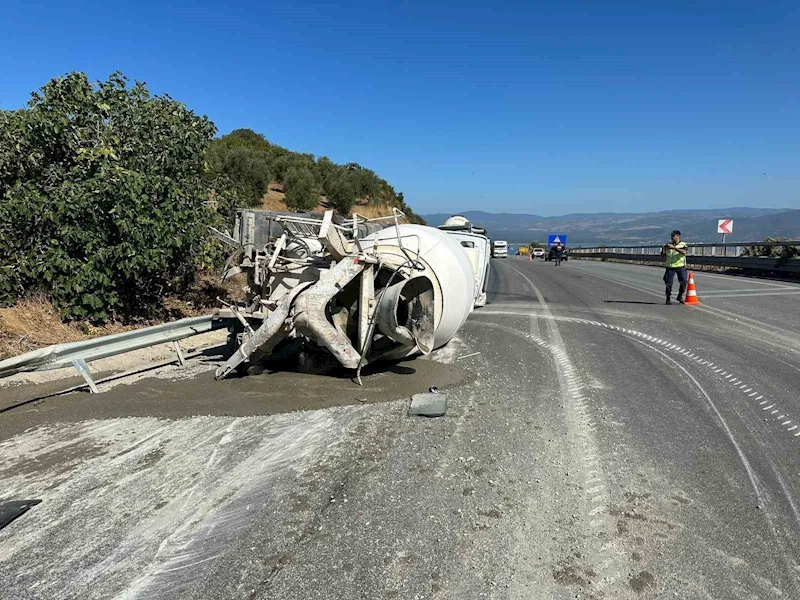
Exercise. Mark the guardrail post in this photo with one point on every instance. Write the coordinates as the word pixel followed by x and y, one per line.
pixel 181 360
pixel 83 369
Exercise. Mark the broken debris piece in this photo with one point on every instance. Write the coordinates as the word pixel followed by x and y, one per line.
pixel 428 405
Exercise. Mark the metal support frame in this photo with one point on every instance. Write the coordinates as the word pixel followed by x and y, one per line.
pixel 366 304
pixel 265 338
pixel 310 310
pixel 224 237
pixel 279 245
pixel 332 238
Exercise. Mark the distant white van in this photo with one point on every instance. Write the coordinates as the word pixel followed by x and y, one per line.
pixel 499 249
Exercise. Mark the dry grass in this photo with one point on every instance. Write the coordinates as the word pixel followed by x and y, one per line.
pixel 33 323
pixel 273 199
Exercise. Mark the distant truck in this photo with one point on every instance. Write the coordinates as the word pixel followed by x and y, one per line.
pixel 499 249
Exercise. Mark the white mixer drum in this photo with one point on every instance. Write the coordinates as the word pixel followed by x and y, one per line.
pixel 442 260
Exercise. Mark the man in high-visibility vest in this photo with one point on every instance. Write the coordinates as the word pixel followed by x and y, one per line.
pixel 675 264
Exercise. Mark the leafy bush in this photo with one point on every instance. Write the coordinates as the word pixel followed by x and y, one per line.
pixel 301 189
pixel 102 196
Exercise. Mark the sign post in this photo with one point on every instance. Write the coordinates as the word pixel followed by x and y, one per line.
pixel 724 226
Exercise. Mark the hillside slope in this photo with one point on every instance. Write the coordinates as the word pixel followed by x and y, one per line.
pixel 637 228
pixel 275 199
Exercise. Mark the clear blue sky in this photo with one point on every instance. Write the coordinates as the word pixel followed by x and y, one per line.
pixel 543 107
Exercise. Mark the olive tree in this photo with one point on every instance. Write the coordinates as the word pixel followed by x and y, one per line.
pixel 301 189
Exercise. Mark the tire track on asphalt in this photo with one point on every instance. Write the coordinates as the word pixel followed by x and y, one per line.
pixel 778 416
pixel 609 564
pixel 663 348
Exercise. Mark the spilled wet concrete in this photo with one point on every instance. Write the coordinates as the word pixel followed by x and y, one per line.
pixel 175 393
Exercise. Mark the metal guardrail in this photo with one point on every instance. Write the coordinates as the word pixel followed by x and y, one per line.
pixel 728 256
pixel 78 354
pixel 697 245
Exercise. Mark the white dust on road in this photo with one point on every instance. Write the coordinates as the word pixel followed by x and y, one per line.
pixel 130 506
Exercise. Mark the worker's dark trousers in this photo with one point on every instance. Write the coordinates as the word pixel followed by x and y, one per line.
pixel 669 277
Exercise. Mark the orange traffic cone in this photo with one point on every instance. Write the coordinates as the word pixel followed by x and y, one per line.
pixel 691 291
pixel 530 256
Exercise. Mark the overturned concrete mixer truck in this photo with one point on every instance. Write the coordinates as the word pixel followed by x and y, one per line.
pixel 364 289
pixel 478 248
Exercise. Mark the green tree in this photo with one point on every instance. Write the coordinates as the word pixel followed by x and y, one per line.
pixel 246 138
pixel 103 195
pixel 247 169
pixel 342 194
pixel 245 159
pixel 325 172
pixel 367 185
pixel 282 162
pixel 301 189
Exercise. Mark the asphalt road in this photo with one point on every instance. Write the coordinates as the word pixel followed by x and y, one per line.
pixel 603 446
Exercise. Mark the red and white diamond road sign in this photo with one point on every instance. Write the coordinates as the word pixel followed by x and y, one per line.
pixel 725 226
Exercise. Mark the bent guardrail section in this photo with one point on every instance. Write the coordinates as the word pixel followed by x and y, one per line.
pixel 78 354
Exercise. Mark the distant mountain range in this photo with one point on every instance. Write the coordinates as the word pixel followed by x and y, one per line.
pixel 750 224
